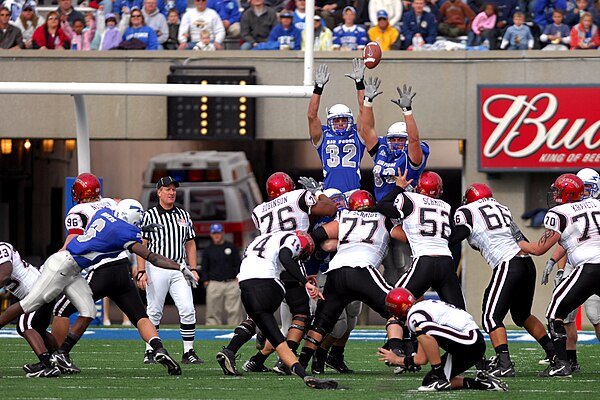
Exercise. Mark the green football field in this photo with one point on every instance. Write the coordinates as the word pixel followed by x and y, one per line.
pixel 113 369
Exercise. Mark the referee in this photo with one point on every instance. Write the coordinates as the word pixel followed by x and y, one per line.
pixel 175 241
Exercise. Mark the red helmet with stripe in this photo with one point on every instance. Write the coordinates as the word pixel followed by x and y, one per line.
pixel 86 188
pixel 278 184
pixel 477 191
pixel 361 200
pixel 567 188
pixel 306 243
pixel 398 301
pixel 430 185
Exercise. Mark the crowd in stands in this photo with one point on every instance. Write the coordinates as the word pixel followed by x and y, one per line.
pixel 339 25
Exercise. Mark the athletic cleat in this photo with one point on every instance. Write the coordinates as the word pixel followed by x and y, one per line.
pixel 162 357
pixel 436 385
pixel 29 368
pixel 490 382
pixel 575 367
pixel 149 357
pixel 190 357
pixel 338 364
pixel 317 366
pixel 315 383
pixel 261 340
pixel 226 359
pixel 254 366
pixel 502 367
pixel 47 372
pixel 558 368
pixel 64 363
pixel 281 369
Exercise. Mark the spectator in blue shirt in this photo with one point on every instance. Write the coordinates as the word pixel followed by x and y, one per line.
pixel 229 12
pixel 543 11
pixel 418 21
pixel 138 30
pixel 284 36
pixel 165 5
pixel 349 36
pixel 120 6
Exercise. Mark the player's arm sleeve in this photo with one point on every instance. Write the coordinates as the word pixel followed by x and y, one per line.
pixel 291 266
pixel 319 235
pixel 462 226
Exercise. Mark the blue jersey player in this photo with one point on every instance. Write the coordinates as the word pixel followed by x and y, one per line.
pixel 400 150
pixel 338 143
pixel 107 234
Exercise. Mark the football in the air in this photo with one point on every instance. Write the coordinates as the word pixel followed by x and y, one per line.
pixel 372 55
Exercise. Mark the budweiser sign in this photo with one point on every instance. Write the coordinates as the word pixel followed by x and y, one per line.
pixel 538 128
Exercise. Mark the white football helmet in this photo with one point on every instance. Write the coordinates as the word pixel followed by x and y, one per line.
pixel 130 210
pixel 337 197
pixel 397 130
pixel 591 182
pixel 340 111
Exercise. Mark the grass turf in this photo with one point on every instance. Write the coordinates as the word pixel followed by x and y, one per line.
pixel 114 369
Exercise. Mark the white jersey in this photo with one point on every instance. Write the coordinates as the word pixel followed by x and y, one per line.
pixel 441 319
pixel 79 217
pixel 489 223
pixel 362 239
pixel 23 275
pixel 579 227
pixel 426 222
pixel 261 257
pixel 288 212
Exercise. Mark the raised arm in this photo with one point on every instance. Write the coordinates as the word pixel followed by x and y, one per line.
pixel 415 152
pixel 366 128
pixel 314 123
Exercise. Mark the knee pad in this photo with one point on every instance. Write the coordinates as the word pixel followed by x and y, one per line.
pixel 394 322
pixel 303 322
pixel 248 326
pixel 557 330
pixel 340 328
pixel 314 341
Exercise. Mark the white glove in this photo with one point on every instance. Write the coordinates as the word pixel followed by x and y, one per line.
pixel 189 277
pixel 547 270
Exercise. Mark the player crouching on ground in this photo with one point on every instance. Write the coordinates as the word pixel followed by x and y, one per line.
pixel 440 325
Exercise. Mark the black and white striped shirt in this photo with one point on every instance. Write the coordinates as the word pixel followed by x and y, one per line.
pixel 169 241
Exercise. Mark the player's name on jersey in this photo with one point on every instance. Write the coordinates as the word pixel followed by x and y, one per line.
pixel 274 203
pixel 433 202
pixel 584 204
pixel 367 214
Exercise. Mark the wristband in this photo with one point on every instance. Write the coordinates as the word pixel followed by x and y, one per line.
pixel 367 102
pixel 553 260
pixel 407 110
pixel 318 89
pixel 409 362
pixel 360 84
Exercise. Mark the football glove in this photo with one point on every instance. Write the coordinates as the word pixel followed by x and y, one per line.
pixel 516 232
pixel 372 88
pixel 189 277
pixel 358 70
pixel 322 75
pixel 310 184
pixel 547 270
pixel 405 100
pixel 560 276
pixel 152 227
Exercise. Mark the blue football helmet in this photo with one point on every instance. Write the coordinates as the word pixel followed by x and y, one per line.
pixel 591 182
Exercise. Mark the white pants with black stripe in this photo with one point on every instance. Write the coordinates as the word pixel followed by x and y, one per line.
pixel 162 281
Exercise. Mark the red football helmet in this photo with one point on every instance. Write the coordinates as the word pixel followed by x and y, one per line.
pixel 278 184
pixel 86 188
pixel 398 301
pixel 361 200
pixel 307 243
pixel 567 188
pixel 430 184
pixel 477 191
